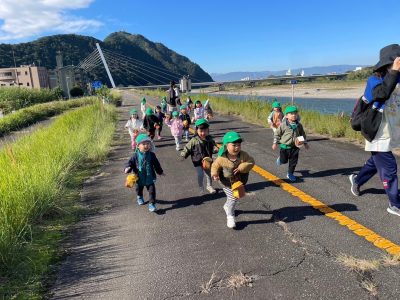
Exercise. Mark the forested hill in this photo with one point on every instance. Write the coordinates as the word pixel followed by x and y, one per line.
pixel 76 47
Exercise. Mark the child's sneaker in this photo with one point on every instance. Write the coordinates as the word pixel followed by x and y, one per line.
pixel 152 207
pixel 230 222
pixel 211 190
pixel 159 137
pixel 140 200
pixel 278 161
pixel 393 210
pixel 291 177
pixel 355 188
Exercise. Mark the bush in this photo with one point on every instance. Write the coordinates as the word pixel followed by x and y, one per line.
pixel 76 91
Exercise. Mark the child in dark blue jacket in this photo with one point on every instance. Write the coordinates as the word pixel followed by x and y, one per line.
pixel 145 165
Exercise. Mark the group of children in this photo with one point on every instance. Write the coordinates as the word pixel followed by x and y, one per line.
pixel 231 166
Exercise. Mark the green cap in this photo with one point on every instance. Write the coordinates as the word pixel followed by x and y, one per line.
pixel 197 101
pixel 144 100
pixel 141 138
pixel 276 104
pixel 201 122
pixel 175 114
pixel 149 111
pixel 182 107
pixel 290 109
pixel 231 137
pixel 133 111
pixel 164 98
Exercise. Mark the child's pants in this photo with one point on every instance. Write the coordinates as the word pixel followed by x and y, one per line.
pixel 230 203
pixel 186 133
pixel 383 163
pixel 133 139
pixel 152 191
pixel 291 155
pixel 200 177
pixel 159 131
pixel 178 140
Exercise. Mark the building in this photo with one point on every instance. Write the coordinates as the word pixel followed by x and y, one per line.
pixel 65 77
pixel 28 76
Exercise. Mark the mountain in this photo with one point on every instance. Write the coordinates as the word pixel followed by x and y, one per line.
pixel 264 74
pixel 134 60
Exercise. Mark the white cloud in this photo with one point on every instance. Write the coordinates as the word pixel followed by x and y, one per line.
pixel 28 18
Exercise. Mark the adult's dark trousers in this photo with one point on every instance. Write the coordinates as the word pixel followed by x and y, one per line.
pixel 383 163
pixel 159 131
pixel 151 188
pixel 290 155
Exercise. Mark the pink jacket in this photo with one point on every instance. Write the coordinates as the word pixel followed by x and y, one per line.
pixel 176 126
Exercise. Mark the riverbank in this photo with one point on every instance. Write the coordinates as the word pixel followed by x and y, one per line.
pixel 318 90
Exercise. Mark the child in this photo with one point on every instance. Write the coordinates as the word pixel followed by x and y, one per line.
pixel 143 107
pixel 290 134
pixel 208 112
pixel 276 116
pixel 232 165
pixel 150 123
pixel 164 105
pixel 189 104
pixel 134 125
pixel 383 91
pixel 176 126
pixel 198 111
pixel 199 147
pixel 185 117
pixel 145 165
pixel 160 116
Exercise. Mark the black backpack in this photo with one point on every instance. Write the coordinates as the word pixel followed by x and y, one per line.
pixel 366 119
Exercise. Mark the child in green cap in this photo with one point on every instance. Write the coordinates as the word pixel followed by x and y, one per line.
pixel 232 166
pixel 201 148
pixel 276 116
pixel 145 165
pixel 176 126
pixel 143 107
pixel 198 111
pixel 291 135
pixel 185 117
pixel 164 105
pixel 134 126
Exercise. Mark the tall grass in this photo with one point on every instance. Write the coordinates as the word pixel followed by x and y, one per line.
pixel 30 115
pixel 35 171
pixel 256 112
pixel 14 98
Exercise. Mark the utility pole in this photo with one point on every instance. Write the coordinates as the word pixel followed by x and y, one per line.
pixel 105 65
pixel 15 66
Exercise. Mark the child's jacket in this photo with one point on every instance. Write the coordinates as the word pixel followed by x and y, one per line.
pixel 185 117
pixel 198 149
pixel 198 113
pixel 149 122
pixel 176 126
pixel 287 133
pixel 145 165
pixel 223 168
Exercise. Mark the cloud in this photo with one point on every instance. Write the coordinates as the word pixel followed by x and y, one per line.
pixel 28 18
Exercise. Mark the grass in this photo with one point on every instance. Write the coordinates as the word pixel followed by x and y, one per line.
pixel 39 178
pixel 256 112
pixel 238 280
pixel 30 115
pixel 14 98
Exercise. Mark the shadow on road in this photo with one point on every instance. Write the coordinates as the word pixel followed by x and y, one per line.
pixel 325 173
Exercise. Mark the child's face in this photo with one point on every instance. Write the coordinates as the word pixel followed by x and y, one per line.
pixel 134 116
pixel 183 111
pixel 233 148
pixel 292 116
pixel 276 109
pixel 144 147
pixel 158 109
pixel 202 133
pixel 198 105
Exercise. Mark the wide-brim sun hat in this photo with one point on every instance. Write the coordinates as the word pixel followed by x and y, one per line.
pixel 387 55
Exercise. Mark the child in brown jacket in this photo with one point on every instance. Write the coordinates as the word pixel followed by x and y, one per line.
pixel 231 166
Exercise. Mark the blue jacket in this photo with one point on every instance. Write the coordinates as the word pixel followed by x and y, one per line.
pixel 155 167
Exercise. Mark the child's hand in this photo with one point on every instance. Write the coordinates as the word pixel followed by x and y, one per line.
pixel 306 146
pixel 127 170
pixel 235 171
pixel 396 64
pixel 215 178
pixel 274 146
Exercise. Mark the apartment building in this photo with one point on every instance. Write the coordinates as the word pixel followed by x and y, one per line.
pixel 28 76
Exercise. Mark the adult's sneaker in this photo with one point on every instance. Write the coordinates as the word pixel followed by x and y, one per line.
pixel 291 177
pixel 393 210
pixel 230 222
pixel 355 188
pixel 140 200
pixel 211 190
pixel 152 207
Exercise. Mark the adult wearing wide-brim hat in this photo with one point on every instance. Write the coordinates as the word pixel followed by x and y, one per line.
pixel 380 126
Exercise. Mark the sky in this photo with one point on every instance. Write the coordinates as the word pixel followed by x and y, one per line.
pixel 222 36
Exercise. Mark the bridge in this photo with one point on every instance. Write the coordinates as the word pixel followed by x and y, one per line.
pixel 160 77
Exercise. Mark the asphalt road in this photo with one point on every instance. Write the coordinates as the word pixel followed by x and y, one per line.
pixel 287 248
